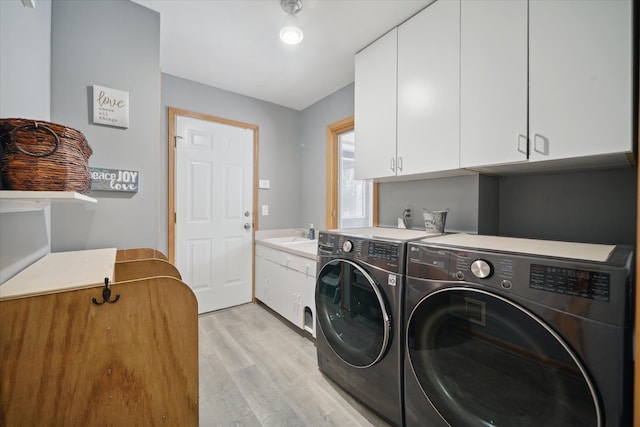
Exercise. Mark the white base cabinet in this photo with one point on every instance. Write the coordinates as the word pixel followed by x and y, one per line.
pixel 286 283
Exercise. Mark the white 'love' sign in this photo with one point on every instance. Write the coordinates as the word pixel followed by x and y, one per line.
pixel 110 107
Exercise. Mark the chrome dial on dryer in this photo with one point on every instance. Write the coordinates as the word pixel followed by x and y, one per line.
pixel 481 269
pixel 347 246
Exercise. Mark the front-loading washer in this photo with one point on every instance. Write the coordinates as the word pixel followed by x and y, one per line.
pixel 517 332
pixel 359 315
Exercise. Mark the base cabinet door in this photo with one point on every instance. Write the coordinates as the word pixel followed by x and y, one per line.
pixel 309 304
pixel 272 286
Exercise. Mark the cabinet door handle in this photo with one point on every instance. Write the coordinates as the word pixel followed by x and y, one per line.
pixel 393 164
pixel 523 144
pixel 399 164
pixel 540 144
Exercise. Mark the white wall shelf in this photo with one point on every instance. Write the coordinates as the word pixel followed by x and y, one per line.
pixel 21 201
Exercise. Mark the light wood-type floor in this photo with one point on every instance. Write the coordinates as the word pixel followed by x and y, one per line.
pixel 255 370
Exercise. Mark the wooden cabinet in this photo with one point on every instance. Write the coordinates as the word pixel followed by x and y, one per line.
pixel 575 56
pixel 375 108
pixel 429 90
pixel 286 283
pixel 67 360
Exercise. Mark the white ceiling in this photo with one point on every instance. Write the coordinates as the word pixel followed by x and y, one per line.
pixel 234 44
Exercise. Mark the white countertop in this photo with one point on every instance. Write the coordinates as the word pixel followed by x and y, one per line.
pixel 579 251
pixel 288 240
pixel 61 271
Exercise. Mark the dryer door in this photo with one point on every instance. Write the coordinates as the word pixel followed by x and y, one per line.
pixel 483 360
pixel 352 313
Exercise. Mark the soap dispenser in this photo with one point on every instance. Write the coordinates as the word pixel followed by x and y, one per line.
pixel 312 232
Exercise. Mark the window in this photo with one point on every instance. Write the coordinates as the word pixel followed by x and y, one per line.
pixel 350 202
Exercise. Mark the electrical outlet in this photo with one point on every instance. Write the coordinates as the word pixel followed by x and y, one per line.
pixel 265 210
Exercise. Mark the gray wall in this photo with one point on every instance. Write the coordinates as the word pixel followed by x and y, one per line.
pixel 25 52
pixel 314 122
pixel 462 195
pixel 597 206
pixel 25 57
pixel 279 142
pixel 115 44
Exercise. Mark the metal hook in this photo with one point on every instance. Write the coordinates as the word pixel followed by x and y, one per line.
pixel 106 294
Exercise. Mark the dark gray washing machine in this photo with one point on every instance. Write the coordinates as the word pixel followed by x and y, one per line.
pixel 517 332
pixel 358 310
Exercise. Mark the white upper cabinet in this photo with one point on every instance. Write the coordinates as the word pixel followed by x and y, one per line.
pixel 375 108
pixel 575 56
pixel 407 97
pixel 580 78
pixel 493 82
pixel 429 90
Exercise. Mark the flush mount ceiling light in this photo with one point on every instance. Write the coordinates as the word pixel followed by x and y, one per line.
pixel 291 32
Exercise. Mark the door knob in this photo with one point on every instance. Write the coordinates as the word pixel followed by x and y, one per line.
pixel 247 226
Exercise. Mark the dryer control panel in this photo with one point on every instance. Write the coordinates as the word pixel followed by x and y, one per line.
pixel 383 254
pixel 601 289
pixel 570 281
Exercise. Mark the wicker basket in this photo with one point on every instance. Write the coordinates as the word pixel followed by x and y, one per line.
pixel 44 156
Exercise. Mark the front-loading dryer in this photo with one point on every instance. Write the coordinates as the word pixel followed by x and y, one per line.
pixel 517 332
pixel 358 314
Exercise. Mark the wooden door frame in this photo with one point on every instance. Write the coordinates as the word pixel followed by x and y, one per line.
pixel 333 132
pixel 171 205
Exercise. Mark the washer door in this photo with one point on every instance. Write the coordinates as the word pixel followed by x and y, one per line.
pixel 352 313
pixel 484 361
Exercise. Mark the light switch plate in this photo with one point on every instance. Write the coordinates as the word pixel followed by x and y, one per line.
pixel 265 210
pixel 264 184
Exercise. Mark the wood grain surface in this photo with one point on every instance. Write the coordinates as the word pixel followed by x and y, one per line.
pixel 65 361
pixel 138 253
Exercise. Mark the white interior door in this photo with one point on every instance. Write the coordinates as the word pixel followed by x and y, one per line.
pixel 213 233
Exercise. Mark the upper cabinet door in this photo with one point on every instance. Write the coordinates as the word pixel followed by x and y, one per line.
pixel 429 90
pixel 580 93
pixel 375 108
pixel 493 82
